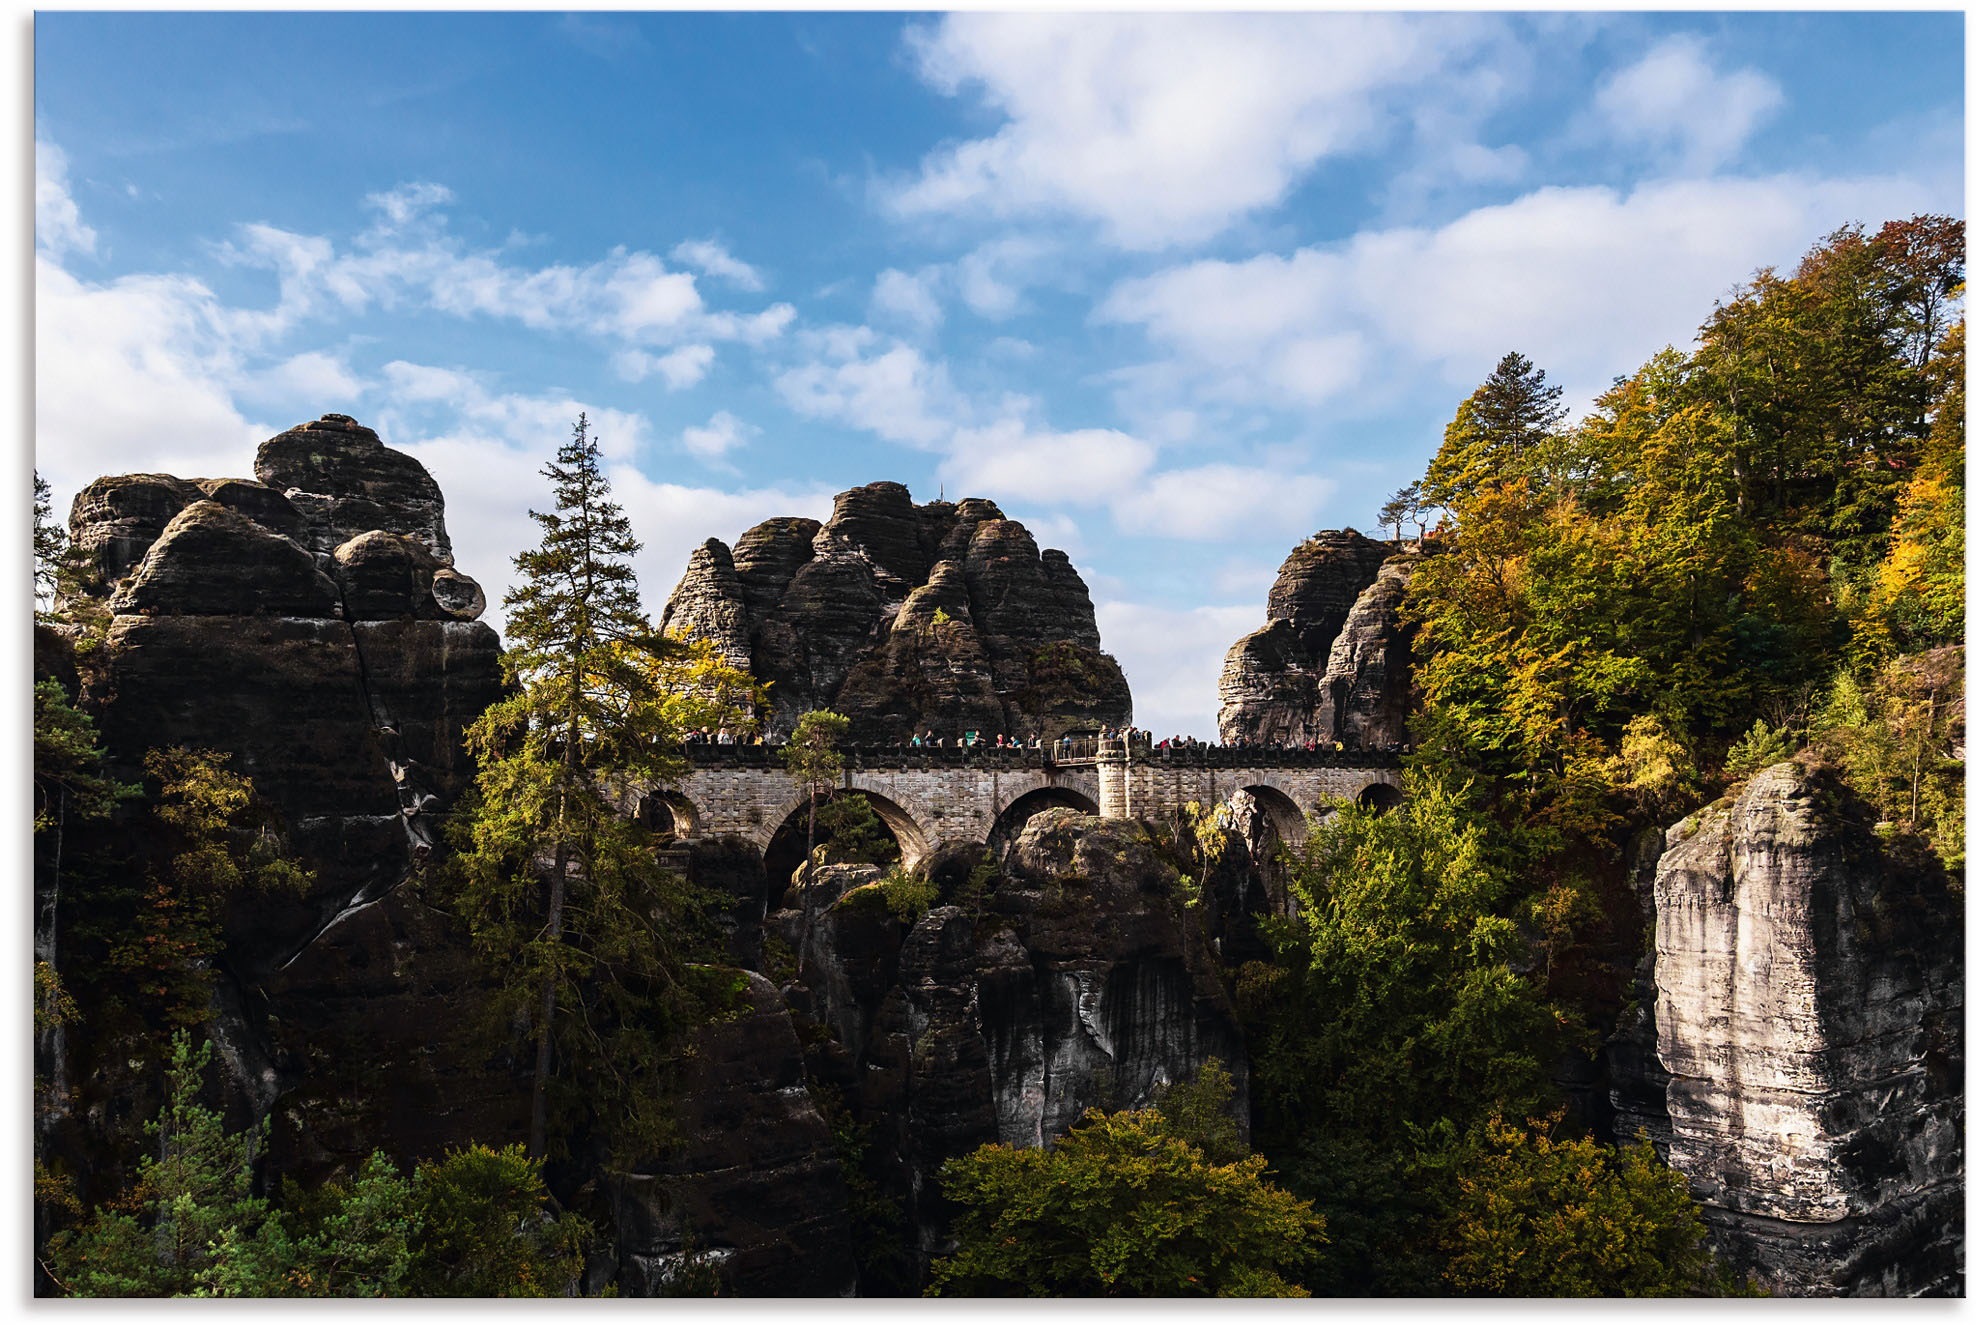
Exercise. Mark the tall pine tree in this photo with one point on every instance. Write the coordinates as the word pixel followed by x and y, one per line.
pixel 587 938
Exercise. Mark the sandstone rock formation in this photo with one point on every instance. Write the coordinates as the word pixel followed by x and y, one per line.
pixel 1364 693
pixel 1809 1018
pixel 1333 662
pixel 1080 980
pixel 311 627
pixel 754 1197
pixel 905 617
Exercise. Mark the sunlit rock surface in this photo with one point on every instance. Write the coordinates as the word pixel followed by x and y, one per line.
pixel 1809 1018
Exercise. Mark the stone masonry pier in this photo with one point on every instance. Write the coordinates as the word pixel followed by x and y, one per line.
pixel 933 798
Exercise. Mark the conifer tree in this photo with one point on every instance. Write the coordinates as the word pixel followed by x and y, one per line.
pixel 1494 432
pixel 588 937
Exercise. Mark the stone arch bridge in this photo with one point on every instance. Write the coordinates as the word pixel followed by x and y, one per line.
pixel 932 798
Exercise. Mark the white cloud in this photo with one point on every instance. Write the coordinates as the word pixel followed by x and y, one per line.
pixel 133 374
pixel 409 258
pixel 1165 128
pixel 1675 102
pixel 408 202
pixel 312 380
pixel 1091 466
pixel 1172 656
pixel 681 368
pixel 721 434
pixel 536 424
pixel 899 297
pixel 710 259
pixel 993 277
pixel 1217 501
pixel 895 393
pixel 1587 281
pixel 58 227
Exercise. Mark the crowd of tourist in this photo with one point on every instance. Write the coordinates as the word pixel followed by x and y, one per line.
pixel 974 739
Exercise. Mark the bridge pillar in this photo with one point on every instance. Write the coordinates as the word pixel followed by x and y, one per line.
pixel 1118 796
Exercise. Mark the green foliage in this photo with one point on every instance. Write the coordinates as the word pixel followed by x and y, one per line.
pixel 52 1005
pixel 474 1224
pixel 50 540
pixel 1758 748
pixel 585 939
pixel 908 894
pixel 215 839
pixel 486 1228
pixel 193 1226
pixel 1494 435
pixel 1200 1112
pixel 1895 737
pixel 1121 1206
pixel 812 758
pixel 1401 994
pixel 850 832
pixel 1917 593
pixel 811 754
pixel 1541 1217
pixel 69 781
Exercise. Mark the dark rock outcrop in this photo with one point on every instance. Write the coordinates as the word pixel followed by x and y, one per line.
pixel 1082 980
pixel 342 482
pixel 755 1193
pixel 323 661
pixel 1363 696
pixel 1809 1017
pixel 210 561
pixel 903 618
pixel 1276 681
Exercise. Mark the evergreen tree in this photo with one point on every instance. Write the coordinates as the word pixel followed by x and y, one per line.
pixel 590 942
pixel 1494 434
pixel 50 540
pixel 812 759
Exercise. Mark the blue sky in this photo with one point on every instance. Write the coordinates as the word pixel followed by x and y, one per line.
pixel 1176 291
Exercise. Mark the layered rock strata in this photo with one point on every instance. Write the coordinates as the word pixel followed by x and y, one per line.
pixel 310 625
pixel 905 617
pixel 753 1197
pixel 1334 660
pixel 1080 980
pixel 1809 1017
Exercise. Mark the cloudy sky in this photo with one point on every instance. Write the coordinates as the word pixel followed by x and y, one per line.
pixel 1176 291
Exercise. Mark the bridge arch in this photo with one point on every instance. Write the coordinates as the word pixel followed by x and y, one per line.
pixel 900 820
pixel 1379 797
pixel 668 814
pixel 1285 816
pixel 1009 822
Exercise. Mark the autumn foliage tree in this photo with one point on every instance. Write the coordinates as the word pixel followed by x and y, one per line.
pixel 1121 1206
pixel 590 942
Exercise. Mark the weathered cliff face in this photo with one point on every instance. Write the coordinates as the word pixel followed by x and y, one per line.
pixel 1809 1018
pixel 1323 667
pixel 1082 980
pixel 903 618
pixel 311 627
pixel 754 1196
pixel 1364 693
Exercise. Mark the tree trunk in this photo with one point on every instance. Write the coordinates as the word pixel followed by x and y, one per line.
pixel 538 1112
pixel 803 931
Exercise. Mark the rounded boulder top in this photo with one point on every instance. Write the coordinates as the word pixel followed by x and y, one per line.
pixel 345 481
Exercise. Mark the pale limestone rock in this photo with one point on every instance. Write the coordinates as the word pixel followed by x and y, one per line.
pixel 1808 1010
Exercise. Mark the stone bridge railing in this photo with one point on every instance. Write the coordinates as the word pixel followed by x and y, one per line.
pixel 1076 753
pixel 934 796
